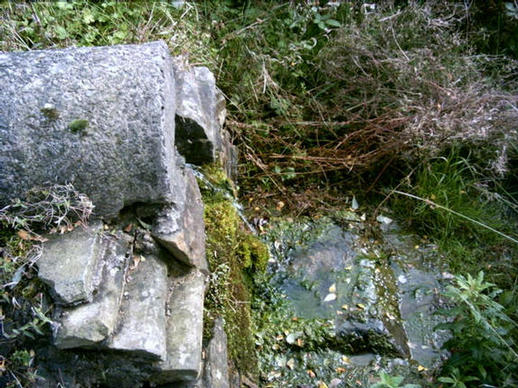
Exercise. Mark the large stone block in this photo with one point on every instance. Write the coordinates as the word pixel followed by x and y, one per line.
pixel 69 264
pixel 101 118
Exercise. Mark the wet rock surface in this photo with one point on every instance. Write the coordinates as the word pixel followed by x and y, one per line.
pixel 370 300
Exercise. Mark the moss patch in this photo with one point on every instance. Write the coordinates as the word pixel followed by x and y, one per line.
pixel 234 255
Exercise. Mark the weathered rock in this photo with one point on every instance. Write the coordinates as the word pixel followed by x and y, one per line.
pixel 216 365
pixel 101 118
pixel 184 329
pixel 142 329
pixel 180 227
pixel 69 262
pixel 91 323
pixel 200 115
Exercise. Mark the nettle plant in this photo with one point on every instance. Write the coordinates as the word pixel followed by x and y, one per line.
pixel 482 345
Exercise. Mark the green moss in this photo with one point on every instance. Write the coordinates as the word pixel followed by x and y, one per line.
pixel 78 125
pixel 234 255
pixel 253 252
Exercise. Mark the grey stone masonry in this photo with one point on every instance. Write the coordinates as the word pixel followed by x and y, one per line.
pixel 142 324
pixel 216 365
pixel 179 227
pixel 69 262
pixel 184 329
pixel 101 118
pixel 200 115
pixel 91 323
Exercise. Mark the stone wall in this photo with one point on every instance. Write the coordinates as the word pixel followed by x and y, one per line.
pixel 129 287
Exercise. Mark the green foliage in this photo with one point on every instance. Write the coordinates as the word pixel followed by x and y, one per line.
pixel 483 343
pixel 39 25
pixel 388 381
pixel 452 182
pixel 24 304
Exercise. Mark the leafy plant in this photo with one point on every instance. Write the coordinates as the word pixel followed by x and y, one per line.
pixel 482 343
pixel 388 381
pixel 456 379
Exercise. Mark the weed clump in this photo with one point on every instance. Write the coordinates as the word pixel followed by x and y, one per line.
pixel 24 302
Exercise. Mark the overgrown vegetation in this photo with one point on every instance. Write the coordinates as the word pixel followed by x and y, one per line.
pixel 24 303
pixel 483 334
pixel 326 101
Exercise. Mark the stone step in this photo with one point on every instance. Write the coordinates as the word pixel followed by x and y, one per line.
pixel 184 329
pixel 69 264
pixel 142 321
pixel 91 323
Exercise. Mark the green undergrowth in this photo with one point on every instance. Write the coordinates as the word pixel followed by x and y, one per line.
pixel 235 256
pixel 472 221
pixel 25 306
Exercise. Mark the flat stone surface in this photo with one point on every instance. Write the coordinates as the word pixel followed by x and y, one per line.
pixel 332 277
pixel 184 329
pixel 180 227
pixel 68 264
pixel 199 113
pixel 142 327
pixel 101 118
pixel 216 365
pixel 91 323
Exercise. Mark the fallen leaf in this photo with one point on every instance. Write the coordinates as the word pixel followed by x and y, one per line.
pixel 360 306
pixel 346 360
pixel 321 384
pixel 24 235
pixel 340 370
pixel 421 368
pixel 291 363
pixel 332 289
pixel 345 307
pixel 311 373
pixel 128 228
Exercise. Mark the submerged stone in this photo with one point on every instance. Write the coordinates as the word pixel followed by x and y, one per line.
pixel 142 327
pixel 68 264
pixel 101 118
pixel 91 323
pixel 184 329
